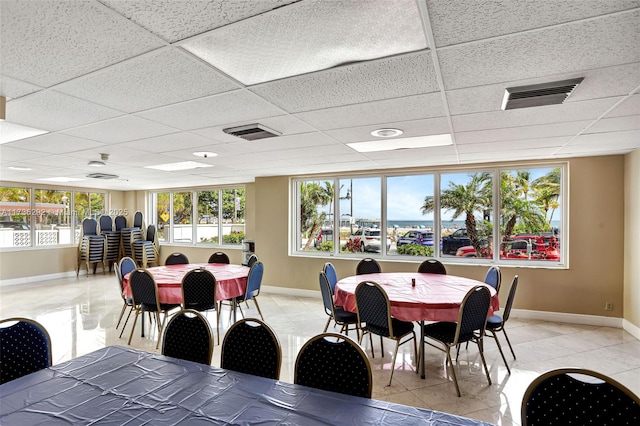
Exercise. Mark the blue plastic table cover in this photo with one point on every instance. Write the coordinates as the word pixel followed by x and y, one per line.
pixel 122 386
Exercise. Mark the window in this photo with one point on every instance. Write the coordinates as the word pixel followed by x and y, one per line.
pixel 216 218
pixel 32 217
pixel 514 216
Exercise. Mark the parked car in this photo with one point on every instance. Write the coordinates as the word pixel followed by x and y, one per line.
pixel 17 226
pixel 325 234
pixel 368 239
pixel 451 243
pixel 416 236
pixel 519 247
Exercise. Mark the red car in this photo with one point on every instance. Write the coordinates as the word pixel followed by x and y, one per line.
pixel 520 247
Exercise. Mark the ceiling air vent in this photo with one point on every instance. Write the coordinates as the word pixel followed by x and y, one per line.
pixel 102 176
pixel 251 132
pixel 539 94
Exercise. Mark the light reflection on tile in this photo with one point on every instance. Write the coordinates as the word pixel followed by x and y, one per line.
pixel 80 314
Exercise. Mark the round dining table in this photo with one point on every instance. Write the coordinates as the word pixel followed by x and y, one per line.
pixel 434 297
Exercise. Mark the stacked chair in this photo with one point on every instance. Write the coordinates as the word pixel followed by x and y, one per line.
pixel 112 237
pixel 146 251
pixel 129 235
pixel 91 248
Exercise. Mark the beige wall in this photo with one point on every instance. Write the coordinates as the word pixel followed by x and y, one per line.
pixel 632 238
pixel 597 271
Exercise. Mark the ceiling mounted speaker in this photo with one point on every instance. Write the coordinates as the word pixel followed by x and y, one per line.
pixel 252 132
pixel 534 95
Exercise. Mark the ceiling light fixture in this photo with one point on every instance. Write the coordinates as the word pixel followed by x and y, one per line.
pixel 61 179
pixel 205 154
pixel 183 165
pixel 386 133
pixel 99 163
pixel 402 143
pixel 21 169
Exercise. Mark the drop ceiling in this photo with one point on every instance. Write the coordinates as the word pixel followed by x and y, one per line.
pixel 149 82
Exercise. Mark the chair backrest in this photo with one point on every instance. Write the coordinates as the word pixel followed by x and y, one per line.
pixel 332 275
pixel 137 220
pixel 188 336
pixel 250 346
pixel 473 313
pixel 25 347
pixel 121 222
pixel 251 260
pixel 176 259
pixel 336 363
pixel 572 396
pixel 89 226
pixel 127 265
pixel 151 234
pixel 368 266
pixel 144 289
pixel 106 223
pixel 199 289
pixel 493 277
pixel 254 281
pixel 327 298
pixel 374 308
pixel 432 266
pixel 510 298
pixel 219 257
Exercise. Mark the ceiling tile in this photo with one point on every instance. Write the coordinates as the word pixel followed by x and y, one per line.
pixel 55 143
pixel 12 88
pixel 162 77
pixel 630 106
pixel 513 145
pixel 49 110
pixel 455 22
pixel 175 21
pixel 330 33
pixel 522 132
pixel 607 41
pixel 431 126
pixel 48 42
pixel 239 106
pixel 389 110
pixel 402 75
pixel 489 157
pixel 622 141
pixel 283 124
pixel 613 124
pixel 169 143
pixel 121 129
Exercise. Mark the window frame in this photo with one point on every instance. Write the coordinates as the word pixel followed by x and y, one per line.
pixel 296 238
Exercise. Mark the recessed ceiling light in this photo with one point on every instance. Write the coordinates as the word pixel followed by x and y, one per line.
pixel 403 143
pixel 183 165
pixel 205 154
pixel 22 169
pixel 61 179
pixel 386 133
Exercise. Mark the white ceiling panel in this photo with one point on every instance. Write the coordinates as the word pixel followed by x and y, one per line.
pixel 119 77
pixel 48 42
pixel 158 78
pixel 49 110
pixel 121 129
pixel 456 22
pixel 400 109
pixel 589 44
pixel 214 110
pixel 330 33
pixel 405 75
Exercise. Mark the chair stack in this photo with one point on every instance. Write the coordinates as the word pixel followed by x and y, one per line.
pixel 112 247
pixel 146 251
pixel 91 248
pixel 129 235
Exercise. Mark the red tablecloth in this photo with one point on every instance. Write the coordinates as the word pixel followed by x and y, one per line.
pixel 434 298
pixel 231 279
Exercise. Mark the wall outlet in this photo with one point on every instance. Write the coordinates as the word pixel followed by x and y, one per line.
pixel 608 306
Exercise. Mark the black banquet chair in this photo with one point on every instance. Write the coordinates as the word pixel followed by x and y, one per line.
pixel 146 251
pixel 332 276
pixel 112 243
pixel 575 396
pixel 219 257
pixel 199 289
pixel 495 323
pixel 374 317
pixel 91 247
pixel 336 363
pixel 472 319
pixel 336 313
pixel 251 260
pixel 254 282
pixel 368 266
pixel 493 278
pixel 250 346
pixel 122 268
pixel 188 336
pixel 177 259
pixel 432 266
pixel 25 347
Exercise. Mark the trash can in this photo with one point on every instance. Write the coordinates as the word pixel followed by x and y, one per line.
pixel 248 248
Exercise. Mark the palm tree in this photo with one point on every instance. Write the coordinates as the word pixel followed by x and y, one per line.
pixel 312 195
pixel 467 199
pixel 547 192
pixel 516 205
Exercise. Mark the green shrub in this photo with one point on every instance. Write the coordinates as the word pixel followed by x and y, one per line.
pixel 326 246
pixel 233 238
pixel 415 250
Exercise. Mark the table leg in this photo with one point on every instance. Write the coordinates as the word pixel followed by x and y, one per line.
pixel 142 325
pixel 234 305
pixel 421 352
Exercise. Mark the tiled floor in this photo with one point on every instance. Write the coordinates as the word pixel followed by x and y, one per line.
pixel 80 314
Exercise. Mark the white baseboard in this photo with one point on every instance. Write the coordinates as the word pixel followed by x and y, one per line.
pixel 38 278
pixel 568 318
pixel 631 328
